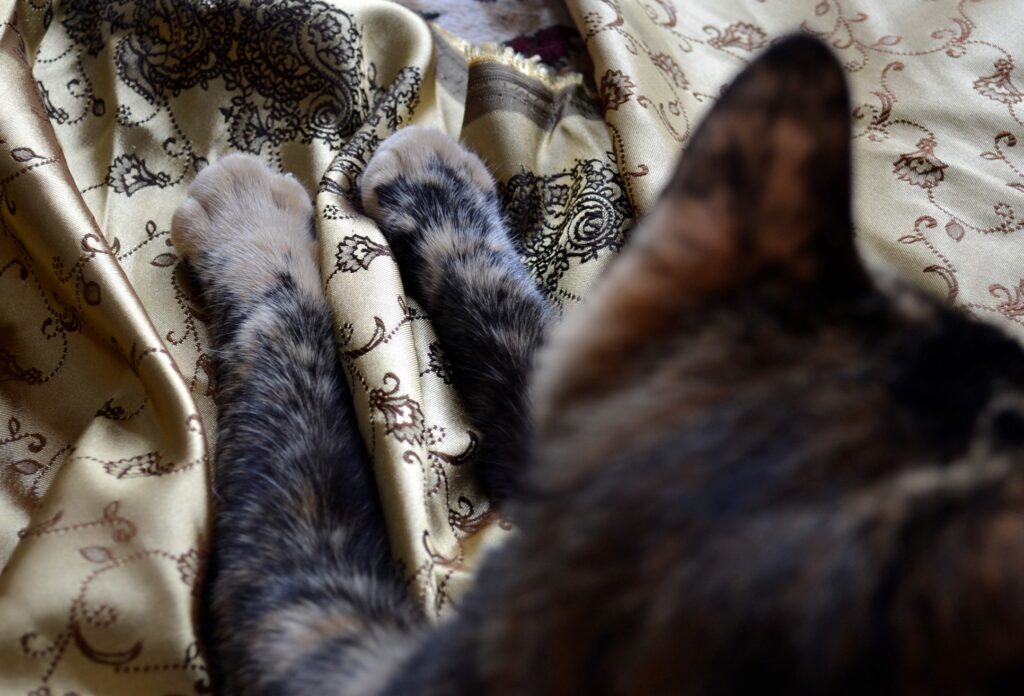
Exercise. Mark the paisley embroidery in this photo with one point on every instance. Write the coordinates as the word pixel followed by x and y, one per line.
pixel 296 68
pixel 575 216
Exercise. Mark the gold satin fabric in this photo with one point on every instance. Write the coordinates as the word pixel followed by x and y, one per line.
pixel 109 109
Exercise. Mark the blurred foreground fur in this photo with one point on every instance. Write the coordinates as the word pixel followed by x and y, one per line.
pixel 750 470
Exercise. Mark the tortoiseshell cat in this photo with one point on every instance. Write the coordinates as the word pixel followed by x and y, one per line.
pixel 750 469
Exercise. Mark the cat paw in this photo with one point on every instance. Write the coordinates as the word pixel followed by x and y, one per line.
pixel 417 158
pixel 243 226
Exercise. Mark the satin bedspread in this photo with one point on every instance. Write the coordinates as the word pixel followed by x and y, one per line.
pixel 108 110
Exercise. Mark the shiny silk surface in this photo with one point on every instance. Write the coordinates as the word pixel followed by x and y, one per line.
pixel 108 110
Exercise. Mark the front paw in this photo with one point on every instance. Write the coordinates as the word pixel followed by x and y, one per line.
pixel 419 175
pixel 243 227
pixel 435 202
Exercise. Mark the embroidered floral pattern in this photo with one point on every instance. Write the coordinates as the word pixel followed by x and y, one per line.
pixel 668 65
pixel 616 89
pixel 403 417
pixel 1011 301
pixel 921 167
pixel 128 174
pixel 742 35
pixel 998 86
pixel 357 253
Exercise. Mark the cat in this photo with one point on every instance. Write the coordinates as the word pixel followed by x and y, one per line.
pixel 739 466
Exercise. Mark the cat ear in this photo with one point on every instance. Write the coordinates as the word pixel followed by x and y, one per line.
pixel 759 205
pixel 762 192
pixel 756 215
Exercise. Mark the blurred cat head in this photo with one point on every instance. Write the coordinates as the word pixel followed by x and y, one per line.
pixel 829 474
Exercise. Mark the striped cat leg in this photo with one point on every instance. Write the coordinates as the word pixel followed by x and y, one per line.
pixel 436 204
pixel 302 590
